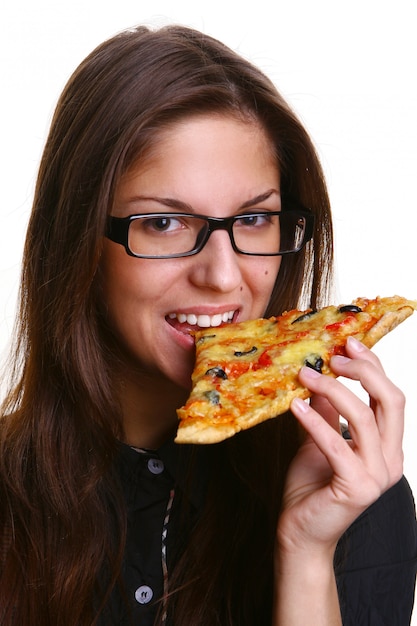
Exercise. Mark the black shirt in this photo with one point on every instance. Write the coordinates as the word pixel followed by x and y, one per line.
pixel 375 561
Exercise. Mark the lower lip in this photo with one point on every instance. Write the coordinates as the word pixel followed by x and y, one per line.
pixel 181 333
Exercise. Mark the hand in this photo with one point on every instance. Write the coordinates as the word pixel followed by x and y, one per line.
pixel 332 481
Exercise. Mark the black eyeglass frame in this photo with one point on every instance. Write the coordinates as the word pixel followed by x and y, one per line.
pixel 118 231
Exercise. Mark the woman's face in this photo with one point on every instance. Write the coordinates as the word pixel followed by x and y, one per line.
pixel 212 165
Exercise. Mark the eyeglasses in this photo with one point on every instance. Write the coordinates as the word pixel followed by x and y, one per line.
pixel 173 235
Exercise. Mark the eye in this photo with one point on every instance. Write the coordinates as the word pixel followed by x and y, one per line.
pixel 253 219
pixel 162 224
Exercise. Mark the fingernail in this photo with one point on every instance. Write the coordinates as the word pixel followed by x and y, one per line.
pixel 309 372
pixel 339 359
pixel 299 404
pixel 355 344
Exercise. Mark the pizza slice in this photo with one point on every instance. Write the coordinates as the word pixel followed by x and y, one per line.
pixel 247 373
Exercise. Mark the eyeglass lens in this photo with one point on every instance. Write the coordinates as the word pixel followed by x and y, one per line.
pixel 255 233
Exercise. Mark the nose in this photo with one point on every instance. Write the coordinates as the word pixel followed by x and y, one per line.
pixel 217 265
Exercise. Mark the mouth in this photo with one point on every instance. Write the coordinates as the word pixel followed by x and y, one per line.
pixel 194 320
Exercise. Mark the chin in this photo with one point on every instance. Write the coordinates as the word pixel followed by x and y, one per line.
pixel 180 374
pixel 182 381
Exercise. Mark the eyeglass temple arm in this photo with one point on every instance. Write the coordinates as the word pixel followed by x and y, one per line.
pixel 116 229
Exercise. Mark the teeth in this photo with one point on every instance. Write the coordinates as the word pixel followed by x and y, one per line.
pixel 204 321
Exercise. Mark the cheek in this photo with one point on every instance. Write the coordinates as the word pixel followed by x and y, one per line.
pixel 124 277
pixel 122 285
pixel 271 271
pixel 263 282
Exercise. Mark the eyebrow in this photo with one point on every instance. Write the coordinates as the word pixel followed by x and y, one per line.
pixel 174 203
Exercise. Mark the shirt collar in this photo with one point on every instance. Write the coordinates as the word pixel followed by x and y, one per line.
pixel 187 465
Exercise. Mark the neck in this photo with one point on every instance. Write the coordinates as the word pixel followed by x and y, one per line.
pixel 149 406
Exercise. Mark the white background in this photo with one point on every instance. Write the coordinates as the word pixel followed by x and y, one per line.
pixel 349 70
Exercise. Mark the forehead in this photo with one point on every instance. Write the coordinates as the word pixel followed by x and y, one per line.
pixel 213 165
pixel 220 150
pixel 195 125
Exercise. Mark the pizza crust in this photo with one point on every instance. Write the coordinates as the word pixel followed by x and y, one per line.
pixel 203 433
pixel 386 324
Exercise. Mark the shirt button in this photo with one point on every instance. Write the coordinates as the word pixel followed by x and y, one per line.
pixel 155 466
pixel 143 594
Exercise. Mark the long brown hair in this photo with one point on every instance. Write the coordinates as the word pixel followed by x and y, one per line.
pixel 62 517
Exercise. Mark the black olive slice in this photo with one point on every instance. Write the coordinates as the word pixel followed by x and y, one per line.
pixel 213 396
pixel 350 308
pixel 305 316
pixel 345 432
pixel 218 372
pixel 204 338
pixel 316 365
pixel 251 351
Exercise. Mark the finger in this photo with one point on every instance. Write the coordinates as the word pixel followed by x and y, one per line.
pixel 326 410
pixel 386 411
pixel 356 349
pixel 342 399
pixel 386 397
pixel 362 423
pixel 320 431
pixel 350 473
pixel 387 400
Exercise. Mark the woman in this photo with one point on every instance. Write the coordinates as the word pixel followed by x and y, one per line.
pixel 104 520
